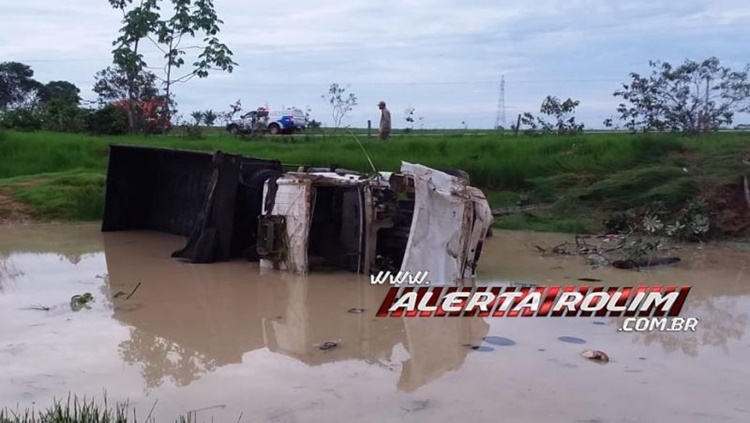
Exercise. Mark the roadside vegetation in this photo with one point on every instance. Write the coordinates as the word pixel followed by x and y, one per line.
pixel 588 182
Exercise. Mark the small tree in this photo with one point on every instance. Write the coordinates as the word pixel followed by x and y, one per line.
pixel 341 104
pixel 409 118
pixel 197 117
pixel 61 101
pixel 233 110
pixel 563 113
pixel 209 117
pixel 693 97
pixel 166 23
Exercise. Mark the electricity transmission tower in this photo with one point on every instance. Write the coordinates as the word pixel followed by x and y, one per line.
pixel 500 119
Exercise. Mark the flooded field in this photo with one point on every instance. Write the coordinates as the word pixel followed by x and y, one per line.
pixel 234 344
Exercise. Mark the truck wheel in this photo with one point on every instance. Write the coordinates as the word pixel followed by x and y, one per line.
pixel 274 129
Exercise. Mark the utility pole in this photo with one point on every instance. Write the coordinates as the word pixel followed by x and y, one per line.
pixel 500 117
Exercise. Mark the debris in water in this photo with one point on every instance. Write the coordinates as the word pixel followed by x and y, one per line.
pixel 356 310
pixel 636 264
pixel 481 348
pixel 627 253
pixel 120 293
pixel 78 302
pixel 328 345
pixel 596 355
pixel 37 308
pixel 598 323
pixel 589 279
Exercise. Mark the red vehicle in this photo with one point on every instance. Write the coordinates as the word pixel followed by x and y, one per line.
pixel 154 113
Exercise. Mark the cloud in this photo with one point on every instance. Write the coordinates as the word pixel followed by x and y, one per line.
pixel 441 57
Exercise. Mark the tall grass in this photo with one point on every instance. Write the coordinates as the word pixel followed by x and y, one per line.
pixel 76 410
pixel 603 171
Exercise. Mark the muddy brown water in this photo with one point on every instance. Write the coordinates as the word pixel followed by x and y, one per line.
pixel 229 341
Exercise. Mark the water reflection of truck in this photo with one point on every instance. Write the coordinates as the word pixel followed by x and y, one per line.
pixel 274 122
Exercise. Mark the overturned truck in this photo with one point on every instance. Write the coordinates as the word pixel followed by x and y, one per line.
pixel 301 220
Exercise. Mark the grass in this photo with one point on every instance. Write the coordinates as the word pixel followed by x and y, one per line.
pixel 60 176
pixel 81 411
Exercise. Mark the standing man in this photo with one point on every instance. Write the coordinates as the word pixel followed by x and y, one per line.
pixel 385 121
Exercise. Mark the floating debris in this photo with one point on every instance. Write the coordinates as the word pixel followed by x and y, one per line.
pixel 482 348
pixel 328 345
pixel 78 302
pixel 589 279
pixel 596 355
pixel 356 310
pixel 37 308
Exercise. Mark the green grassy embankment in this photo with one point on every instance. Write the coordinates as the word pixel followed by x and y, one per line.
pixel 55 176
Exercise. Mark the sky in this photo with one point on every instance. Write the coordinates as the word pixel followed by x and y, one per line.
pixel 443 58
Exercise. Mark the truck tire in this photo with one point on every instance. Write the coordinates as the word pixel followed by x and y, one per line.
pixel 274 129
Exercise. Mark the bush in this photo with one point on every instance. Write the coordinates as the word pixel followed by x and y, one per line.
pixel 65 120
pixel 21 120
pixel 109 120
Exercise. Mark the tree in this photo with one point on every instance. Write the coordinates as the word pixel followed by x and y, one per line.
pixel 409 118
pixel 563 113
pixel 197 117
pixel 166 28
pixel 233 110
pixel 17 85
pixel 61 102
pixel 209 117
pixel 115 85
pixel 693 97
pixel 341 104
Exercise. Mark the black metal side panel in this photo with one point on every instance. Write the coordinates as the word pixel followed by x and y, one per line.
pixel 155 189
pixel 213 199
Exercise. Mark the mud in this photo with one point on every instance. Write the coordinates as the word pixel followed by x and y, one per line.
pixel 230 340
